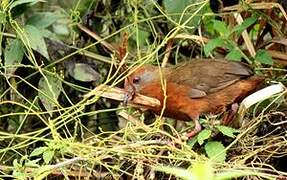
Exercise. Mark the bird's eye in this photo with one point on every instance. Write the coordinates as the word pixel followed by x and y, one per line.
pixel 136 80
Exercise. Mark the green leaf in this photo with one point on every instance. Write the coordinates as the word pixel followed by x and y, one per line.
pixel 48 156
pixel 221 27
pixel 176 171
pixel 202 170
pixel 20 2
pixel 42 20
pixel 203 135
pixel 245 24
pixel 234 55
pixel 17 170
pixel 212 44
pixel 2 17
pixel 263 57
pixel 14 53
pixel 143 36
pixel 19 175
pixel 41 172
pixel 61 29
pixel 33 163
pixel 16 164
pixel 36 40
pixel 175 7
pixel 174 10
pixel 83 72
pixel 191 142
pixel 197 171
pixel 48 34
pixel 38 151
pixel 227 131
pixel 50 91
pixel 215 151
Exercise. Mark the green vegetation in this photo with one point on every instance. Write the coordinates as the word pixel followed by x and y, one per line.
pixel 53 53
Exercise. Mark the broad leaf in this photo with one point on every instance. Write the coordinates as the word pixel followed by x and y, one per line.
pixel 175 10
pixel 142 39
pixel 42 20
pixel 33 163
pixel 191 142
pixel 14 53
pixel 83 72
pixel 50 91
pixel 175 7
pixel 263 57
pixel 212 44
pixel 227 131
pixel 215 151
pixel 38 151
pixel 36 40
pixel 176 171
pixel 61 29
pixel 245 24
pixel 21 2
pixel 2 17
pixel 197 171
pixel 48 156
pixel 234 55
pixel 41 172
pixel 202 170
pixel 203 135
pixel 221 27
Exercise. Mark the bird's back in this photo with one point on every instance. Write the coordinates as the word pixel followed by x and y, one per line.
pixel 209 75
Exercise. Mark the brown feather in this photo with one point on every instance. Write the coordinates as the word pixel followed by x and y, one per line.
pixel 196 87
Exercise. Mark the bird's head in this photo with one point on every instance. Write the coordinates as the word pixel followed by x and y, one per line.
pixel 139 78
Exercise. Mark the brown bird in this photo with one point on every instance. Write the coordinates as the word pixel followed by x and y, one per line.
pixel 193 88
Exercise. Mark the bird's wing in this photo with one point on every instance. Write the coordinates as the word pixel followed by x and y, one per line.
pixel 208 76
pixel 196 93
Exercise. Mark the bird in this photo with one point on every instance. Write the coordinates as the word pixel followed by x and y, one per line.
pixel 193 88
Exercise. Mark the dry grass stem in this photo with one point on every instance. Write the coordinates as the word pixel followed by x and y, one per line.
pixel 118 94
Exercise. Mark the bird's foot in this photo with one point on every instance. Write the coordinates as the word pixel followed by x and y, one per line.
pixel 231 114
pixel 195 131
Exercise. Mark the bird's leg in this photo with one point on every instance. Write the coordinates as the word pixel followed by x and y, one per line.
pixel 230 114
pixel 196 130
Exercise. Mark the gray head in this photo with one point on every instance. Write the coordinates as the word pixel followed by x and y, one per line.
pixel 141 77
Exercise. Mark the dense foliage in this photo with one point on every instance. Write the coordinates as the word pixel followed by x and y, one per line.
pixel 53 53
